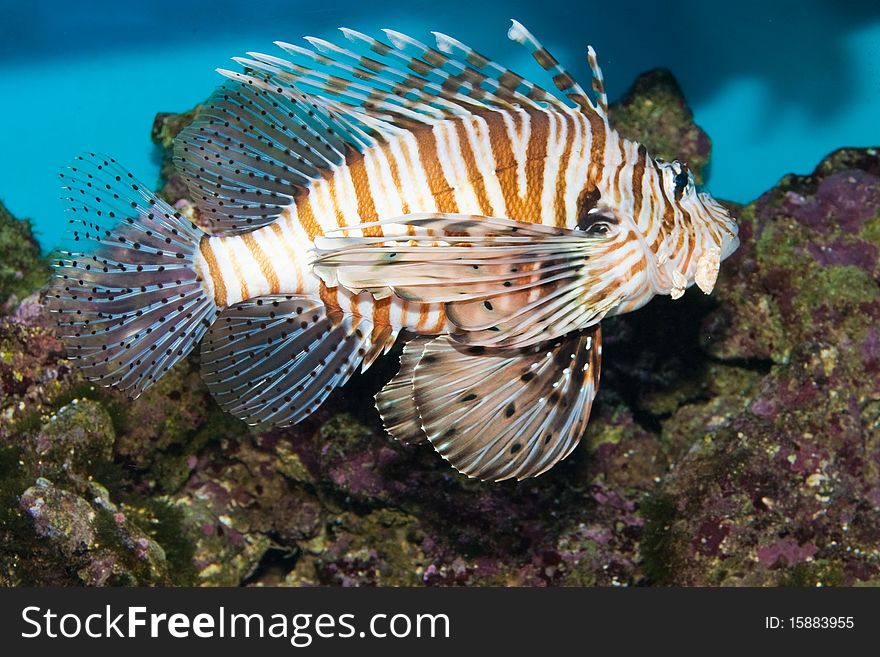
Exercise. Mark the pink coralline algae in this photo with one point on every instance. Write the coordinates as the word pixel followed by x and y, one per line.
pixel 843 200
pixel 785 552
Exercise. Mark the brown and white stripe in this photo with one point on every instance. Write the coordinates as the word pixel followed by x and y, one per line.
pixel 531 162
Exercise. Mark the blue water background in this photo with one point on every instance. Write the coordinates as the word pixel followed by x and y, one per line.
pixel 777 85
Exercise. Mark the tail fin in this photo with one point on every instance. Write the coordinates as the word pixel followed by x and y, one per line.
pixel 129 299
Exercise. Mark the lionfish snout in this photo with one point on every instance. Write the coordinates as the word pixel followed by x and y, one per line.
pixel 719 239
pixel 719 217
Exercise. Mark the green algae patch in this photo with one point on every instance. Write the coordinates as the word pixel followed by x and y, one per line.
pixel 842 285
pixel 380 549
pixel 23 269
pixel 14 527
pixel 661 540
pixel 78 438
pixel 166 525
pixel 871 231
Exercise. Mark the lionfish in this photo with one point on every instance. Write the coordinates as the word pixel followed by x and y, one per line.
pixel 353 192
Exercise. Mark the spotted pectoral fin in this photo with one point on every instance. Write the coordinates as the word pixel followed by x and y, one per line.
pixel 272 360
pixel 545 311
pixel 395 402
pixel 507 413
pixel 443 257
pixel 504 282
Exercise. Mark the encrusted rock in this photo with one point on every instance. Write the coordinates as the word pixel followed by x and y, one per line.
pixel 22 267
pixel 654 112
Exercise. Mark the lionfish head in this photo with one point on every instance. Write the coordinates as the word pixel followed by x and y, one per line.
pixel 715 232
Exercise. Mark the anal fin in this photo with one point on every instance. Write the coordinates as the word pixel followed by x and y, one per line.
pixel 272 360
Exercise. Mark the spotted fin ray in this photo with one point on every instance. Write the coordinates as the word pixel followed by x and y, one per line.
pixel 402 82
pixel 395 402
pixel 272 360
pixel 396 84
pixel 561 78
pixel 250 149
pixel 125 290
pixel 271 129
pixel 497 414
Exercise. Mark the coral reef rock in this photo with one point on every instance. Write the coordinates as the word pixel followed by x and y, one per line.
pixel 22 267
pixel 736 438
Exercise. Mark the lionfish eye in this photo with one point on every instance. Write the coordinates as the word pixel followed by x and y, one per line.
pixel 596 223
pixel 681 179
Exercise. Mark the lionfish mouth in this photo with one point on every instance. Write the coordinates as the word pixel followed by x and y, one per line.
pixel 720 215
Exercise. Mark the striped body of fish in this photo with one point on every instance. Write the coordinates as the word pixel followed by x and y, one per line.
pixel 349 195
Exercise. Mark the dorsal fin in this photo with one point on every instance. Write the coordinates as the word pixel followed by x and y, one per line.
pixel 377 83
pixel 250 149
pixel 404 81
pixel 498 83
pixel 598 80
pixel 561 78
pixel 338 89
pixel 281 123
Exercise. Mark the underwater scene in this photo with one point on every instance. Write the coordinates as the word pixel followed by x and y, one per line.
pixel 517 294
